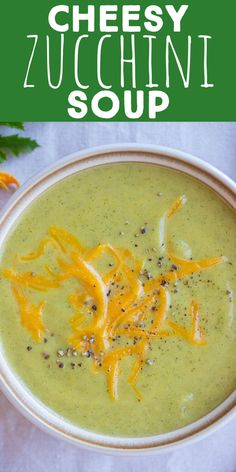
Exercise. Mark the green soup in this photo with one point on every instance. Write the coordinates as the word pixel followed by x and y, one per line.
pixel 123 205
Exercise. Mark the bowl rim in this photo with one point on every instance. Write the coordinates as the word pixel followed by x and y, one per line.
pixel 12 386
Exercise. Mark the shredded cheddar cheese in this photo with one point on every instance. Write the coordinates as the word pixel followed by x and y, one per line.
pixel 31 315
pixel 7 179
pixel 179 202
pixel 115 304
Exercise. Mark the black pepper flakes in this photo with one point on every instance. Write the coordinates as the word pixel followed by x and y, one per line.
pixel 163 283
pixel 60 353
pixel 174 267
pixel 46 355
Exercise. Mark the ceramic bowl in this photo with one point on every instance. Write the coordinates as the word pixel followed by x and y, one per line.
pixel 12 386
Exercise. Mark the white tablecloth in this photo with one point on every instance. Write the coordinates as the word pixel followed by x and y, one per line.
pixel 23 447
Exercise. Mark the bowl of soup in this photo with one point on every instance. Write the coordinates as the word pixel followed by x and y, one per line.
pixel 117 280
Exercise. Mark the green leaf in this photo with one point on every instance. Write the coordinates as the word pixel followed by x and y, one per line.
pixel 15 144
pixel 3 156
pixel 13 124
